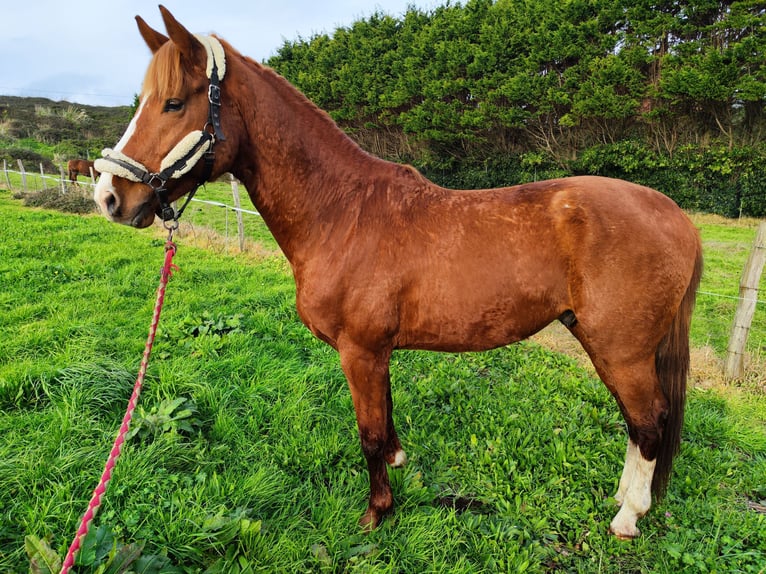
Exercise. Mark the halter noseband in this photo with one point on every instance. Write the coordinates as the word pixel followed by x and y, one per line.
pixel 186 153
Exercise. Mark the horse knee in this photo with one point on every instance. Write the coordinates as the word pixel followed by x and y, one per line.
pixel 374 446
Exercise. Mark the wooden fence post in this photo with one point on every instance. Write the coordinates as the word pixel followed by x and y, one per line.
pixel 7 177
pixel 23 175
pixel 42 177
pixel 240 224
pixel 63 180
pixel 748 297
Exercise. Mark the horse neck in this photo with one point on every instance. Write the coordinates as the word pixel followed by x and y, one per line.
pixel 298 166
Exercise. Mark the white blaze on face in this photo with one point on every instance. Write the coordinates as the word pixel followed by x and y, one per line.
pixel 104 187
pixel 131 128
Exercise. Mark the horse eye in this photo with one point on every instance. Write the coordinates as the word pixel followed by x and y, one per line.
pixel 174 105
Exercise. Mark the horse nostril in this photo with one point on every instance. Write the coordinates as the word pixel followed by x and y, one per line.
pixel 111 203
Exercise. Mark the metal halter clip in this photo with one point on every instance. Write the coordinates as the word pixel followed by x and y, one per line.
pixel 214 94
pixel 155 181
pixel 168 214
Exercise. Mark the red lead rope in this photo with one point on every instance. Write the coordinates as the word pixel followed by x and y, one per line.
pixel 95 501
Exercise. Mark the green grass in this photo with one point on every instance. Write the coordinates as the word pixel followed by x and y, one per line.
pixel 514 453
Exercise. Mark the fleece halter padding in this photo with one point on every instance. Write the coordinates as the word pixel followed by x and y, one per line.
pixel 187 152
pixel 179 161
pixel 215 56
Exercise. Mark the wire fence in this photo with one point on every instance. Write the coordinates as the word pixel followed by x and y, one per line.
pixel 736 298
pixel 24 181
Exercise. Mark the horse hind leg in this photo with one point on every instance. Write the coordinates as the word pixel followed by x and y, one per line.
pixel 632 378
pixel 645 408
pixel 634 495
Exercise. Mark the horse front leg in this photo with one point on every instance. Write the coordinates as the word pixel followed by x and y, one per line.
pixel 367 373
pixel 394 453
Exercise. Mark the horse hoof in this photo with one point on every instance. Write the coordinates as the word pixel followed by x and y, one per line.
pixel 369 521
pixel 630 534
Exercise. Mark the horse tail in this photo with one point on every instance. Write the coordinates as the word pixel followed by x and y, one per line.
pixel 672 365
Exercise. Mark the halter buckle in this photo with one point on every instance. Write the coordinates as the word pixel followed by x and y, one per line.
pixel 155 181
pixel 214 94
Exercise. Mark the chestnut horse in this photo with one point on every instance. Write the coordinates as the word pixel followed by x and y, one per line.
pixel 80 167
pixel 384 259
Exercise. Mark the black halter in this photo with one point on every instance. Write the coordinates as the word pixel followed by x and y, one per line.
pixel 158 180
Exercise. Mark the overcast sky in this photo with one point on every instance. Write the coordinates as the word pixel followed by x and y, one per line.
pixel 90 52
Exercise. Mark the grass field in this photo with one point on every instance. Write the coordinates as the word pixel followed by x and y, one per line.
pixel 245 456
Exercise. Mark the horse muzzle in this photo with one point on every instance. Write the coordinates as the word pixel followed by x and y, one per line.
pixel 113 206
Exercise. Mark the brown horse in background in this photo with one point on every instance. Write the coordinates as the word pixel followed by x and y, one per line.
pixel 80 167
pixel 384 259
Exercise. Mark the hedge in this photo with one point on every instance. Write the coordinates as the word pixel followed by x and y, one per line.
pixel 728 182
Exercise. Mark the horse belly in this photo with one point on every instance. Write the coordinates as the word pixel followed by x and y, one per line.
pixel 478 316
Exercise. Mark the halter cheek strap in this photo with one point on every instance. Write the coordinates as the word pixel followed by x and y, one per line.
pixel 186 153
pixel 215 70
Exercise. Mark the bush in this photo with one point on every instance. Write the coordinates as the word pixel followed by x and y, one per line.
pixel 753 189
pixel 31 159
pixel 74 201
pixel 728 182
pixel 476 173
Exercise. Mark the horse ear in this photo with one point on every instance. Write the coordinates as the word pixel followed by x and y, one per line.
pixel 191 48
pixel 152 37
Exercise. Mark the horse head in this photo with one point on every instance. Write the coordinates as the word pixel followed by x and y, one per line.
pixel 175 141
